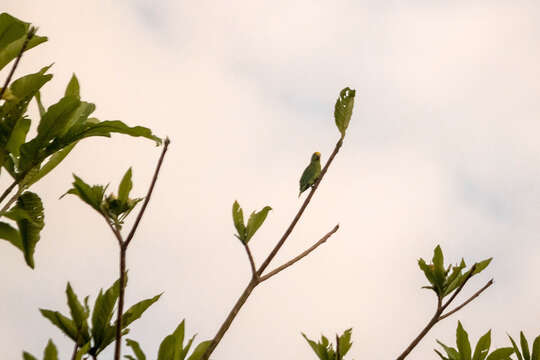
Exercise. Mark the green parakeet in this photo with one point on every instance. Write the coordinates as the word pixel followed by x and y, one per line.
pixel 311 173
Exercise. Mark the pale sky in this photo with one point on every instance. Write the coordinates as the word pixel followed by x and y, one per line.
pixel 442 149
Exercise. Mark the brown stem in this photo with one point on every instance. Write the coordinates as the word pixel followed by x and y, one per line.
pixel 300 256
pixel 420 336
pixel 149 194
pixel 255 279
pixel 251 261
pixel 440 308
pixel 8 190
pixel 74 356
pixel 118 343
pixel 474 296
pixel 232 315
pixel 280 243
pixel 29 36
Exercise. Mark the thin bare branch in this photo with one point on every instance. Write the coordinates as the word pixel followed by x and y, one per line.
pixel 251 261
pixel 149 194
pixel 29 36
pixel 115 231
pixel 280 243
pixel 300 256
pixel 474 296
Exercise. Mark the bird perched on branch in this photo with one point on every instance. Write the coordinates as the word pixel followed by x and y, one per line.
pixel 311 173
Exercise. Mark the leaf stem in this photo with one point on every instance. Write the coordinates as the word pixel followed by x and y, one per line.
pixel 149 194
pixel 123 245
pixel 29 36
pixel 251 261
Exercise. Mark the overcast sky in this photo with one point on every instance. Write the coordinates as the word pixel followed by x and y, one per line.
pixel 442 149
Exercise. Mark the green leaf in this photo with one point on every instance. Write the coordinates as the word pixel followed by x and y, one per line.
pixel 125 187
pixel 12 39
pixel 72 88
pixel 482 347
pixel 440 355
pixel 200 350
pixel 7 232
pixel 11 29
pixel 28 356
pixel 481 266
pixel 106 128
pixel 501 354
pixel 136 348
pixel 78 314
pixel 438 269
pixel 343 110
pixel 82 351
pixel 256 219
pixel 450 351
pixel 345 342
pixel 18 135
pixel 171 346
pixel 41 108
pixel 238 219
pixel 524 346
pixel 536 349
pixel 53 162
pixel 92 195
pixel 135 312
pixel 516 349
pixel 28 212
pixel 65 324
pixel 103 312
pixel 462 341
pixel 428 271
pixel 319 349
pixel 50 352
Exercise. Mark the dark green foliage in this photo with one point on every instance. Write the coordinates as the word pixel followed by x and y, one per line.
pixel 481 351
pixel 50 353
pixel 59 129
pixel 103 330
pixel 113 207
pixel 525 353
pixel 325 349
pixel 445 280
pixel 29 217
pixel 172 347
pixel 256 219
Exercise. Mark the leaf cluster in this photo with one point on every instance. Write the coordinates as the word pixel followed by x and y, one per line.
pixel 94 333
pixel 115 207
pixel 325 349
pixel 444 280
pixel 525 353
pixel 256 219
pixel 59 128
pixel 481 350
pixel 172 347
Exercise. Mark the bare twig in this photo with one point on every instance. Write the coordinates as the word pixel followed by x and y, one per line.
pixel 149 194
pixel 74 355
pixel 7 191
pixel 251 261
pixel 300 256
pixel 474 296
pixel 123 245
pixel 29 36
